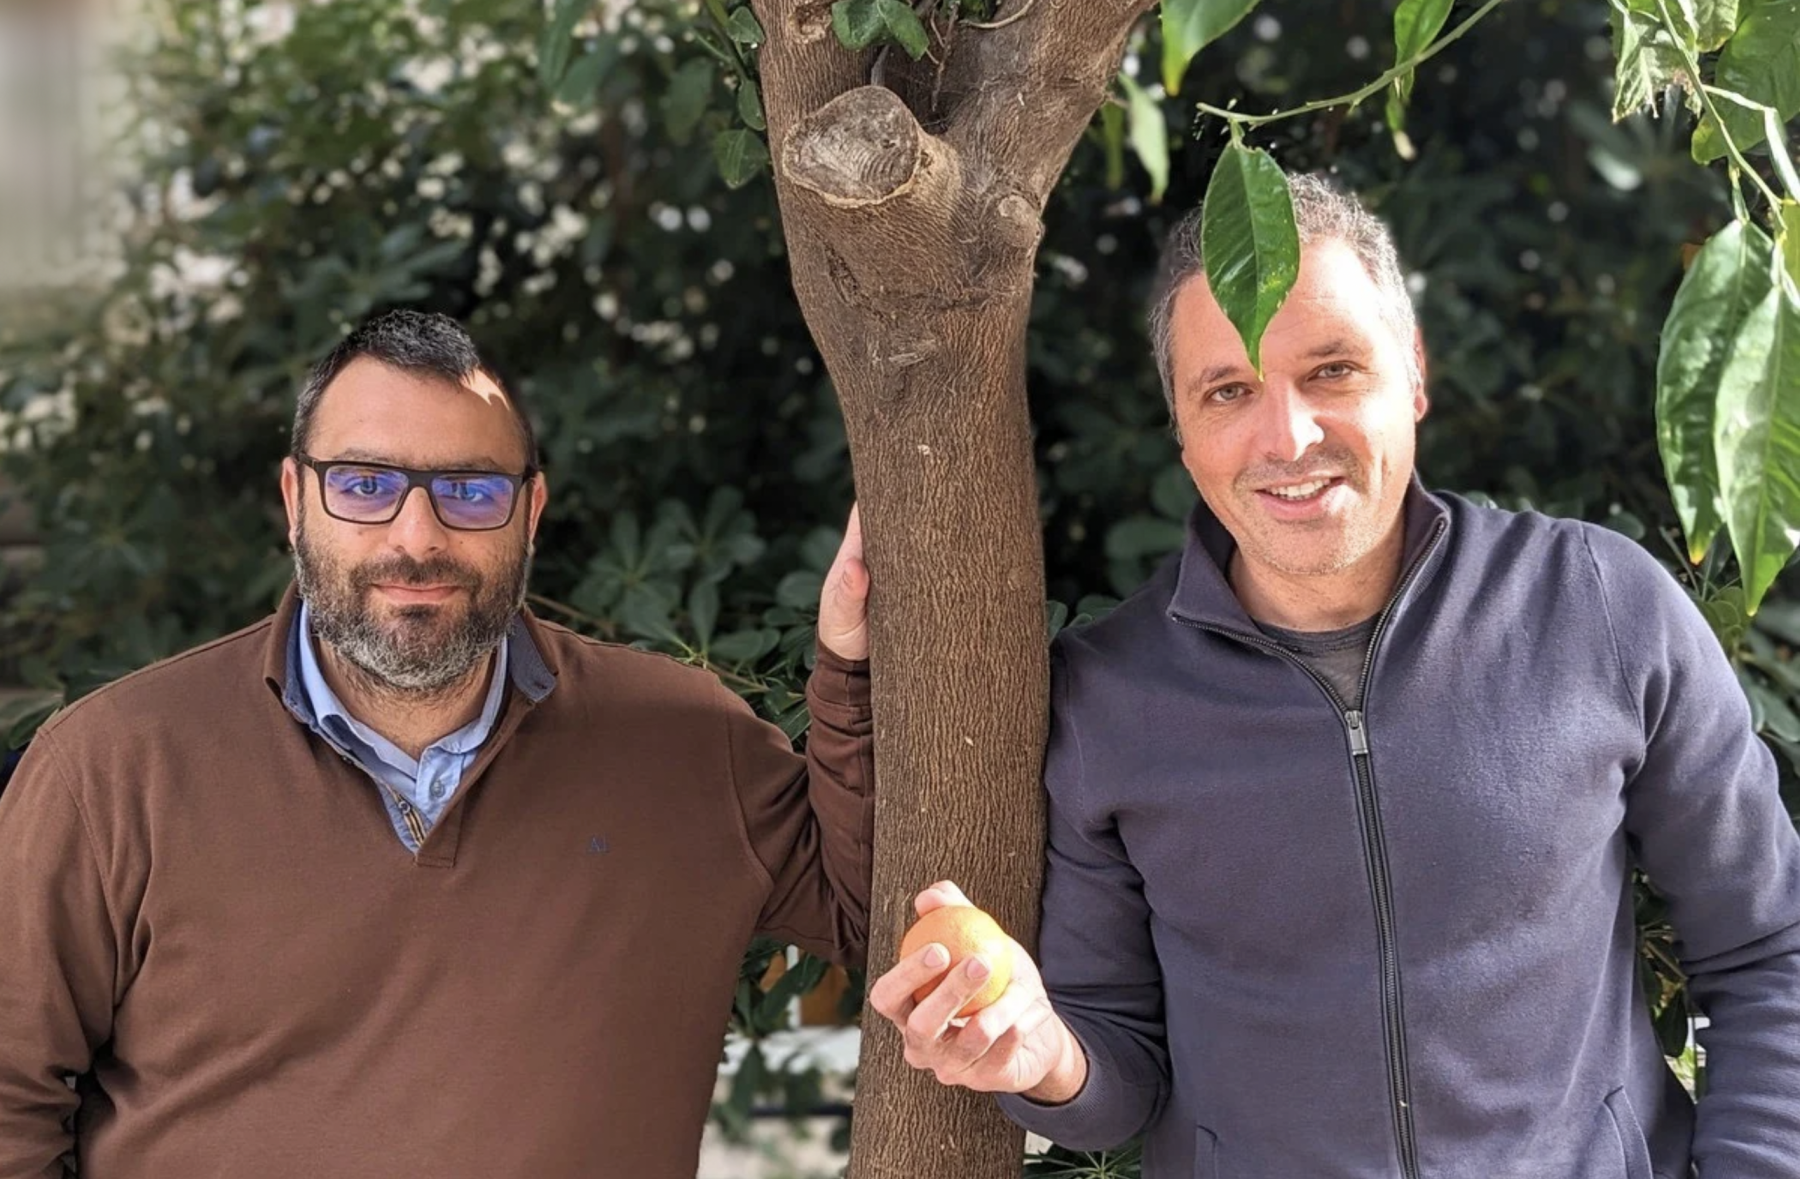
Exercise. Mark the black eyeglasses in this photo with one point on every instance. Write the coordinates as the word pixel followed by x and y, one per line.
pixel 372 493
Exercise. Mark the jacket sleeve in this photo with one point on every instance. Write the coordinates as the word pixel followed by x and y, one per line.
pixel 811 820
pixel 1705 817
pixel 1097 958
pixel 57 968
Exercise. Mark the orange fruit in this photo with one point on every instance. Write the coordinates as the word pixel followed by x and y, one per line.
pixel 965 931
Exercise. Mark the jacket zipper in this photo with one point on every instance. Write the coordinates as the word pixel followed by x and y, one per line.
pixel 1374 851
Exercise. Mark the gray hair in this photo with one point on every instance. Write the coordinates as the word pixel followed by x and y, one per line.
pixel 422 343
pixel 1322 211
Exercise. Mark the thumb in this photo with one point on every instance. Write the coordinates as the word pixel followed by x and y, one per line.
pixel 844 599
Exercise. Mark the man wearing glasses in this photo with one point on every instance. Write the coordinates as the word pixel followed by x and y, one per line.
pixel 404 881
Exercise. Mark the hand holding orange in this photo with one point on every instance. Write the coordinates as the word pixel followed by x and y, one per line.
pixel 965 932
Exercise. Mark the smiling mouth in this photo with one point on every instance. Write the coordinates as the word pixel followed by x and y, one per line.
pixel 1295 493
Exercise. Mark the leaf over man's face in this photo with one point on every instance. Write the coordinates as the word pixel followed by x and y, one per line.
pixel 1248 242
pixel 1728 277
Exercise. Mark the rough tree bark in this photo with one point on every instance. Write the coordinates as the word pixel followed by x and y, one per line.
pixel 911 198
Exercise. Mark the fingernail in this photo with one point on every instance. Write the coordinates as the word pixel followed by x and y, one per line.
pixel 977 969
pixel 936 956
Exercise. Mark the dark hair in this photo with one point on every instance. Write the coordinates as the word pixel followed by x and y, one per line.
pixel 422 343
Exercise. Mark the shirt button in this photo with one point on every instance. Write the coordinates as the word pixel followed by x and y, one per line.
pixel 437 790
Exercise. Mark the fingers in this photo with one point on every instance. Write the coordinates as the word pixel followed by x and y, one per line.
pixel 937 896
pixel 931 1018
pixel 853 539
pixel 1016 1013
pixel 892 994
pixel 844 599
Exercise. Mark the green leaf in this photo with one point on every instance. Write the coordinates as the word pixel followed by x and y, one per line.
pixel 1647 59
pixel 1143 536
pixel 1671 1025
pixel 742 155
pixel 1757 436
pixel 800 590
pixel 1149 136
pixel 750 107
pixel 860 24
pixel 1188 26
pixel 1728 277
pixel 1173 494
pixel 703 611
pixel 1416 25
pixel 557 44
pixel 743 27
pixel 1762 63
pixel 1726 614
pixel 1248 242
pixel 1112 138
pixel 857 23
pixel 1788 217
pixel 1717 20
pixel 745 646
pixel 686 99
pixel 579 84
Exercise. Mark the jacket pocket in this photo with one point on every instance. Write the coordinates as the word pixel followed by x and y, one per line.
pixel 1206 1154
pixel 1632 1144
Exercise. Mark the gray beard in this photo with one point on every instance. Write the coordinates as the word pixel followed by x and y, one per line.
pixel 422 654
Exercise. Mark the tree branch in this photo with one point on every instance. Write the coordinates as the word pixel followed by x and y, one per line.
pixel 1029 85
pixel 803 66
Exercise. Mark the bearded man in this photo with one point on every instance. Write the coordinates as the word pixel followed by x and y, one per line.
pixel 404 880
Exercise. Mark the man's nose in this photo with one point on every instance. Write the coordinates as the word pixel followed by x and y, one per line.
pixel 417 530
pixel 1290 425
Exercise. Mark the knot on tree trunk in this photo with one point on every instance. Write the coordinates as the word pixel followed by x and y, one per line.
pixel 860 150
pixel 810 20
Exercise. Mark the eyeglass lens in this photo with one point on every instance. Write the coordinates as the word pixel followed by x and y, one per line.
pixel 372 495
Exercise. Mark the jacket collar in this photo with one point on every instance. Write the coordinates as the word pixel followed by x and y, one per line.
pixel 531 664
pixel 1203 593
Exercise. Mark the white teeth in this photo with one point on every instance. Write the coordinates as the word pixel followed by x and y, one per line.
pixel 1300 490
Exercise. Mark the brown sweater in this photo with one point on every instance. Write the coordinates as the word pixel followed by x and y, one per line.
pixel 204 912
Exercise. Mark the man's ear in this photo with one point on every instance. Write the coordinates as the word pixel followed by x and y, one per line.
pixel 1421 403
pixel 540 495
pixel 292 488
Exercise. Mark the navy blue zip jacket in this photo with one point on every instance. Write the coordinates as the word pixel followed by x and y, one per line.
pixel 1304 942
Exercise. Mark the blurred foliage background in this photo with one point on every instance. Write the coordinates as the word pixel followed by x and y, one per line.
pixel 294 168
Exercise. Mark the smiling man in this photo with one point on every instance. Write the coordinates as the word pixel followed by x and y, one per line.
pixel 1345 806
pixel 403 880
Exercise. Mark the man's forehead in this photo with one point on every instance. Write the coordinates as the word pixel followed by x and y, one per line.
pixel 375 407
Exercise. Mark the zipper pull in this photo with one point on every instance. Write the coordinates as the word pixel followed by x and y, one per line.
pixel 1359 736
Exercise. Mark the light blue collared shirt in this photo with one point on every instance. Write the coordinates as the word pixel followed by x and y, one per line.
pixel 426 785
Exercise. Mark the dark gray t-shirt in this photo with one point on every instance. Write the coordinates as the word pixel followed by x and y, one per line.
pixel 1335 654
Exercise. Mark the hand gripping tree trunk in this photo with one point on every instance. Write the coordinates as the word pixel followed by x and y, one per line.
pixel 911 197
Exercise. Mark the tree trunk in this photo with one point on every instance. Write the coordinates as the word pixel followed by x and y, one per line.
pixel 911 197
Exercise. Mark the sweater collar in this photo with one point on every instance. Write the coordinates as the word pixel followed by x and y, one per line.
pixel 1203 593
pixel 531 665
